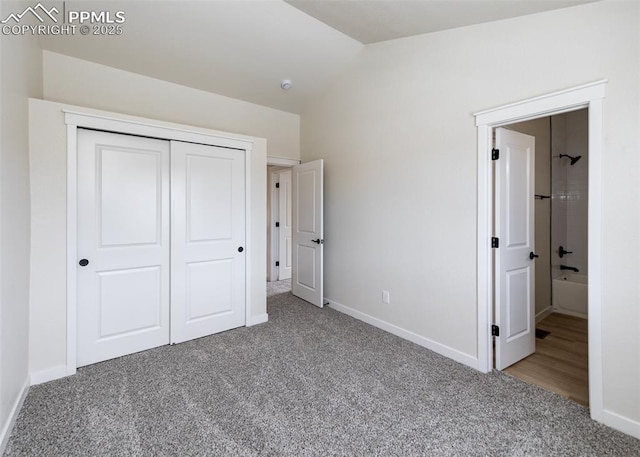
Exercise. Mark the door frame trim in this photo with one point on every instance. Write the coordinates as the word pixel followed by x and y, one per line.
pixel 282 162
pixel 589 96
pixel 145 128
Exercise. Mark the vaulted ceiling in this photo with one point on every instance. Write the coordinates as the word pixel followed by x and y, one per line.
pixel 245 48
pixel 370 21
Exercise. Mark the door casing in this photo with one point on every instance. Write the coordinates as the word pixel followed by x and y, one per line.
pixel 75 120
pixel 585 96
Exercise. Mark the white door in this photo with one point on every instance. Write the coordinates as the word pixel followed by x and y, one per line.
pixel 515 264
pixel 123 245
pixel 207 240
pixel 307 193
pixel 285 218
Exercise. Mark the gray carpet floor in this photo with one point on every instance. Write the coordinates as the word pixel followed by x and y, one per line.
pixel 278 287
pixel 310 382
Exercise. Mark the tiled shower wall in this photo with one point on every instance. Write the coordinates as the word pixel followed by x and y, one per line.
pixel 569 190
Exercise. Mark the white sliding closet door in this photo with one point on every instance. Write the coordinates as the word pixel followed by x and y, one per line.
pixel 123 245
pixel 208 239
pixel 161 238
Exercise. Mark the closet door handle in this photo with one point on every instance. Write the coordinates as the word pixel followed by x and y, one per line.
pixel 533 256
pixel 240 249
pixel 83 262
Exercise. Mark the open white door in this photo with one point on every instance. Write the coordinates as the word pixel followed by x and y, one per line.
pixel 307 193
pixel 285 218
pixel 207 240
pixel 514 257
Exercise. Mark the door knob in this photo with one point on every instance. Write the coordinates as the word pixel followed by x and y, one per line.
pixel 240 249
pixel 83 262
pixel 533 256
pixel 318 241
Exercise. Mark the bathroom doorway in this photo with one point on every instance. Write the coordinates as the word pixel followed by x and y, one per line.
pixel 591 96
pixel 560 359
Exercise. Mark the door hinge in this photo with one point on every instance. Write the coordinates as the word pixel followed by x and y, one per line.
pixel 277 264
pixel 277 185
pixel 495 154
pixel 277 224
pixel 495 330
pixel 495 242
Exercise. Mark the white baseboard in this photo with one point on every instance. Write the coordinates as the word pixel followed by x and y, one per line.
pixel 571 313
pixel 13 415
pixel 621 423
pixel 441 349
pixel 544 313
pixel 48 375
pixel 255 320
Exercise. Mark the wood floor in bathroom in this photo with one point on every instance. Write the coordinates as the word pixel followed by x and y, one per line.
pixel 560 363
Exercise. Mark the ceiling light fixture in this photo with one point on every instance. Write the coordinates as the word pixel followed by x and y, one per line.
pixel 286 84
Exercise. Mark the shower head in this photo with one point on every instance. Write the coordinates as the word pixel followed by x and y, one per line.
pixel 572 158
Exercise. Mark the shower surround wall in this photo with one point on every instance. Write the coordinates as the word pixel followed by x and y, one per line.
pixel 569 186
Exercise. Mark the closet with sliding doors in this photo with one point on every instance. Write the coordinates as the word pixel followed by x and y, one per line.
pixel 160 242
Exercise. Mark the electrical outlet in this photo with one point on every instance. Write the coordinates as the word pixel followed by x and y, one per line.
pixel 385 296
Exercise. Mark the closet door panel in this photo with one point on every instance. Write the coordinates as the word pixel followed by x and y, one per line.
pixel 123 245
pixel 208 237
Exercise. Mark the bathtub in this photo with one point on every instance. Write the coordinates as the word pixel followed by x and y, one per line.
pixel 570 294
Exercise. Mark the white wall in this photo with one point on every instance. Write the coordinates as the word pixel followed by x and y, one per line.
pixel 397 134
pixel 48 304
pixel 539 128
pixel 79 82
pixel 20 77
